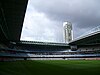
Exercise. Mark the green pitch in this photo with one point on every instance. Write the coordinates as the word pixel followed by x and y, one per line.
pixel 51 67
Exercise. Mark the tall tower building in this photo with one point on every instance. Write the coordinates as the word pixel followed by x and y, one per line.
pixel 68 36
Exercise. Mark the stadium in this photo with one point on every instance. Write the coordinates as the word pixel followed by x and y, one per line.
pixel 81 55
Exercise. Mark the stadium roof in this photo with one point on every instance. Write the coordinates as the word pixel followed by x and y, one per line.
pixel 12 12
pixel 41 43
pixel 90 39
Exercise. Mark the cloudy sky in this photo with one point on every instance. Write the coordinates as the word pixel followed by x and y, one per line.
pixel 44 18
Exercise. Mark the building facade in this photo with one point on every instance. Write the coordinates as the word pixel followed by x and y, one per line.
pixel 68 34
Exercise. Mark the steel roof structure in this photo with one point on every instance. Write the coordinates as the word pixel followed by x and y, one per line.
pixel 12 14
pixel 42 43
pixel 90 39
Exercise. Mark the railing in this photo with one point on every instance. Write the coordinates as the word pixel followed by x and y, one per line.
pixel 44 56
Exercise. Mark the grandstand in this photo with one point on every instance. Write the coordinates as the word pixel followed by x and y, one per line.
pixel 11 48
pixel 26 50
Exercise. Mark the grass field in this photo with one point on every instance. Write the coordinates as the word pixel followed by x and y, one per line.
pixel 51 67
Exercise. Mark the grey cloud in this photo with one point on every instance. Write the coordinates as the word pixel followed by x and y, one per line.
pixel 84 13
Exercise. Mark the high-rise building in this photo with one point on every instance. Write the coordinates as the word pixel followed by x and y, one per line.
pixel 68 36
